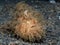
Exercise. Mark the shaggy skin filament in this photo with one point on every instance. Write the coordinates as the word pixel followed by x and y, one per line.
pixel 28 27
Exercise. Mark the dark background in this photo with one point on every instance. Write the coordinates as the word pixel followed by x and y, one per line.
pixel 24 0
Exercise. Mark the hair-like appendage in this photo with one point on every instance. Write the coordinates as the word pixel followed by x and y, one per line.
pixel 30 23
